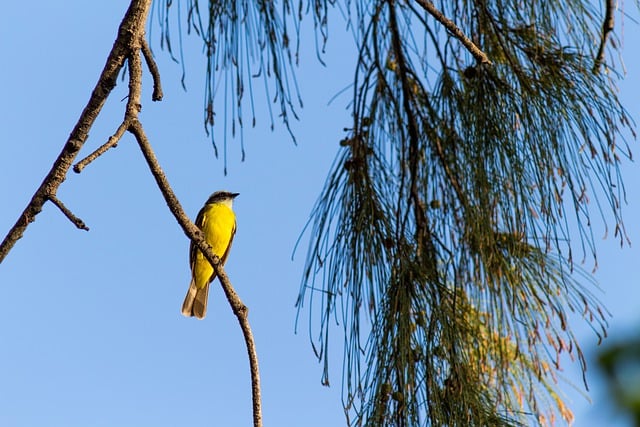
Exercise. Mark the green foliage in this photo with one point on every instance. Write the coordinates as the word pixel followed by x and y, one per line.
pixel 444 238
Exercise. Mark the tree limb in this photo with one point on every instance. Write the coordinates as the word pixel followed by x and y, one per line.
pixel 111 142
pixel 192 232
pixel 128 46
pixel 607 28
pixel 133 101
pixel 455 30
pixel 132 27
pixel 153 69
pixel 74 219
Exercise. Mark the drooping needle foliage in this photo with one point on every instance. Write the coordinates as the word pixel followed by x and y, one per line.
pixel 444 239
pixel 485 137
pixel 245 42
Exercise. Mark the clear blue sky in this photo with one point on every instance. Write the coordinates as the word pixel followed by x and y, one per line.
pixel 90 328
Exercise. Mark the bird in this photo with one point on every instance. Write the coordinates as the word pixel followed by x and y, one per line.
pixel 217 221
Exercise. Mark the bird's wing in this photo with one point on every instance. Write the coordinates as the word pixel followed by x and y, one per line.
pixel 193 249
pixel 226 253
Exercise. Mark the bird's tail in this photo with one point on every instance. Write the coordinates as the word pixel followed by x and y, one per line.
pixel 195 303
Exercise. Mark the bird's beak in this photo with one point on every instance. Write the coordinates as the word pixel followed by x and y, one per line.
pixel 234 195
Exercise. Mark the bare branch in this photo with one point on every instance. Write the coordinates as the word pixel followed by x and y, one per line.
pixel 455 30
pixel 111 142
pixel 607 28
pixel 129 45
pixel 193 233
pixel 242 312
pixel 74 219
pixel 153 69
pixel 131 28
pixel 133 102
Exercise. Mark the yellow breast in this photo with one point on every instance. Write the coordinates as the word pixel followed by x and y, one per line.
pixel 218 223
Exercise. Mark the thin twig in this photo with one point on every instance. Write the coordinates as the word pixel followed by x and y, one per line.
pixel 74 219
pixel 131 28
pixel 607 27
pixel 455 30
pixel 193 233
pixel 128 46
pixel 131 111
pixel 153 69
pixel 242 312
pixel 111 142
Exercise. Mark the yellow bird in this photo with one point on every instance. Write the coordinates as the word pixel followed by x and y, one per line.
pixel 218 223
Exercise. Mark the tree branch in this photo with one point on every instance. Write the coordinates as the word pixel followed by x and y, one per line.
pixel 455 30
pixel 153 69
pixel 74 219
pixel 111 142
pixel 607 28
pixel 129 45
pixel 133 102
pixel 131 28
pixel 192 232
pixel 242 312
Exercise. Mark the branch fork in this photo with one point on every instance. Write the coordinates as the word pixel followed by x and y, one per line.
pixel 130 47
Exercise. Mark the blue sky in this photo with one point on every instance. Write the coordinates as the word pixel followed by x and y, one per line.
pixel 90 323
